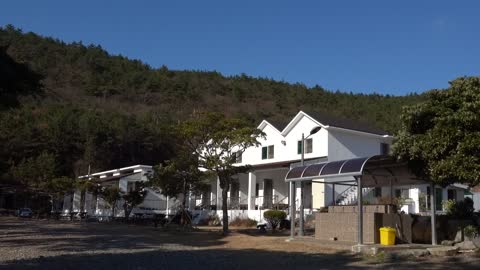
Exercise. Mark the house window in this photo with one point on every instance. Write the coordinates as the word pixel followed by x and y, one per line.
pixel 452 194
pixel 130 186
pixel 402 193
pixel 308 146
pixel 238 157
pixel 268 152
pixel 384 149
pixel 257 188
pixel 439 199
pixel 429 202
pixel 271 151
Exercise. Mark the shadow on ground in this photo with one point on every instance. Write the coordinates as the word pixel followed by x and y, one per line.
pixel 87 237
pixel 190 259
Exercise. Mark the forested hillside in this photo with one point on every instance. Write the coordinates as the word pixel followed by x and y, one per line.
pixel 82 105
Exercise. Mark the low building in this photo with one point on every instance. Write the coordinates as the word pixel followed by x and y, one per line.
pixel 125 179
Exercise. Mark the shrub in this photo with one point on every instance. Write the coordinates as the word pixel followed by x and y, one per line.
pixel 211 220
pixel 243 222
pixel 470 231
pixel 461 210
pixel 274 217
pixel 387 200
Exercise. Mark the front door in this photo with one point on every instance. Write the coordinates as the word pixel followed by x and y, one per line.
pixel 267 193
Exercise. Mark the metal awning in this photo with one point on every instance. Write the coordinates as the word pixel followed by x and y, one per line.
pixel 375 171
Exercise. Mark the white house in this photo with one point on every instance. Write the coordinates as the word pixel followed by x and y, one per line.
pixel 265 186
pixel 337 139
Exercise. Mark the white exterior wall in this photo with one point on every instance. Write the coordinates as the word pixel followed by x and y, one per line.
pixel 286 144
pixel 348 144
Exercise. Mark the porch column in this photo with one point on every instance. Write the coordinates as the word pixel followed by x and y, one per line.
pixel 391 191
pixel 333 194
pixel 291 198
pixel 76 201
pixel 252 183
pixel 360 210
pixel 219 195
pixel 166 208
pixel 433 210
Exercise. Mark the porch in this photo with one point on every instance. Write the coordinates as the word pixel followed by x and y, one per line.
pixel 250 193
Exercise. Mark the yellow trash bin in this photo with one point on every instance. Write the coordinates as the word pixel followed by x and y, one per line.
pixel 387 236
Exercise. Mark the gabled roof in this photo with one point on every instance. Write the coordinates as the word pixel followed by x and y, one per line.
pixel 345 123
pixel 279 125
pixel 326 121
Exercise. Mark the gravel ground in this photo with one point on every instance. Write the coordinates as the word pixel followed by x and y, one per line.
pixel 39 244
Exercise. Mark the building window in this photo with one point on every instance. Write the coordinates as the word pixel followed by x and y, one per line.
pixel 257 188
pixel 308 146
pixel 130 186
pixel 268 152
pixel 378 192
pixel 402 193
pixel 439 199
pixel 384 149
pixel 238 157
pixel 429 202
pixel 271 151
pixel 452 194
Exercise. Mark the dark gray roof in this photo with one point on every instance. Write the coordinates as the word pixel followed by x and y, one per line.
pixel 339 122
pixel 329 120
pixel 280 125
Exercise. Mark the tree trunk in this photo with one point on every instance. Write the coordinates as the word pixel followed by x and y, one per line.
pixel 114 205
pixel 225 210
pixel 82 202
pixel 126 212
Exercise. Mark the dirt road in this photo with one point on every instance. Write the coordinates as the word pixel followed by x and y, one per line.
pixel 34 244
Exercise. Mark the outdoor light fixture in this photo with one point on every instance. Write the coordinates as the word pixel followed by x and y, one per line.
pixel 301 223
pixel 315 130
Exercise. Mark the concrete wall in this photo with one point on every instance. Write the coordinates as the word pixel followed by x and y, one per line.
pixel 344 227
pixel 476 200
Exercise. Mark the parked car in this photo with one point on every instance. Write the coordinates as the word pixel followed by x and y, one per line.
pixel 25 212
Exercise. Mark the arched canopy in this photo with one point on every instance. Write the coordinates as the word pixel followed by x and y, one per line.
pixel 374 170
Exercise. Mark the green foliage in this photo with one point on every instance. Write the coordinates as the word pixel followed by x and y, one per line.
pixel 35 171
pixel 111 195
pixel 215 139
pixel 16 80
pixel 440 138
pixel 75 138
pixel 274 217
pixel 90 76
pixel 460 210
pixel 58 187
pixel 470 231
pixel 133 198
pixel 179 176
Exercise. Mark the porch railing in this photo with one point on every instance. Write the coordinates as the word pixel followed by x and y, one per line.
pixel 237 203
pixel 265 202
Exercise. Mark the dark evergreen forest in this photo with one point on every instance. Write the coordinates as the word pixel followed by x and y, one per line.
pixel 66 105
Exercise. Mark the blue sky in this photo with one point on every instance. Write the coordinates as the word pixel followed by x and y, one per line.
pixel 390 47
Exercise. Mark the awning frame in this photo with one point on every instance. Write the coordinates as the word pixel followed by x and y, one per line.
pixel 396 171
